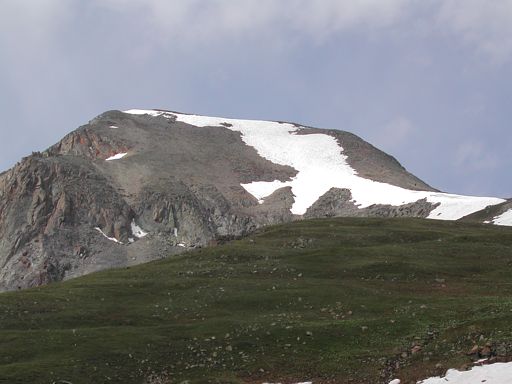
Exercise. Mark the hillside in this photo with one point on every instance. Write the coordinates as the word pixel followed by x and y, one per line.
pixel 500 214
pixel 139 185
pixel 333 301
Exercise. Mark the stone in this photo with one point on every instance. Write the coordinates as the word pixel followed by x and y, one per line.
pixel 474 350
pixel 416 349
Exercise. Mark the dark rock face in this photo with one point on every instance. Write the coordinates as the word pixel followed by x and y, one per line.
pixel 179 183
pixel 47 206
pixel 337 202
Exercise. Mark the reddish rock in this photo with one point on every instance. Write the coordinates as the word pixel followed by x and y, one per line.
pixel 416 349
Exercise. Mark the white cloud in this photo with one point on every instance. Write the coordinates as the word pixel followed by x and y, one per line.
pixel 486 25
pixel 394 134
pixel 472 155
pixel 325 17
pixel 483 24
pixel 34 20
pixel 29 31
pixel 196 19
pixel 29 43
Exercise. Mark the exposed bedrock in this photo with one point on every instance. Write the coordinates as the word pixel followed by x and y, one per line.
pixel 47 204
pixel 338 202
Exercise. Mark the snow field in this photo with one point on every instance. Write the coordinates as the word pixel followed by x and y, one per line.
pixel 321 165
pixel 504 219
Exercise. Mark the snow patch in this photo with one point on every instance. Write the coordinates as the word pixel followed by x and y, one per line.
pixel 453 207
pixel 144 112
pixel 106 236
pixel 321 165
pixel 504 218
pixel 138 231
pixel 498 373
pixel 150 112
pixel 262 189
pixel 114 127
pixel 117 156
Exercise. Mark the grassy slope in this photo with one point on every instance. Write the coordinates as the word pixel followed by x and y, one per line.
pixel 326 300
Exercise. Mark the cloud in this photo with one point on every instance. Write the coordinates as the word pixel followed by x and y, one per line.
pixel 326 17
pixel 23 22
pixel 318 19
pixel 472 155
pixel 394 134
pixel 29 32
pixel 483 24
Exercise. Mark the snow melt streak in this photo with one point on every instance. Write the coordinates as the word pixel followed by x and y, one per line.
pixel 106 236
pixel 321 165
pixel 116 157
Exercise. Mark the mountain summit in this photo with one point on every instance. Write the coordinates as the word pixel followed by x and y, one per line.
pixel 134 186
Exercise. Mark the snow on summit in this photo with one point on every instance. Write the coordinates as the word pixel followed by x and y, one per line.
pixel 322 165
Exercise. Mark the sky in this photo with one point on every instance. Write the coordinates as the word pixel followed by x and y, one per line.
pixel 427 81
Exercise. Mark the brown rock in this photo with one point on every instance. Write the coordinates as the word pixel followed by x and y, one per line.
pixel 486 351
pixel 416 349
pixel 474 350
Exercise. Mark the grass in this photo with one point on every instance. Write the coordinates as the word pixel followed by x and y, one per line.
pixel 334 300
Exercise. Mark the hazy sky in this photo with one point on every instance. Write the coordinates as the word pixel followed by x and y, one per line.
pixel 428 81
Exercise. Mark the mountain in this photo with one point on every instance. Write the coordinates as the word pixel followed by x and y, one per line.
pixel 134 186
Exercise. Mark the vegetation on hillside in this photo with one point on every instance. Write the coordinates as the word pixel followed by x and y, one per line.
pixel 333 300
